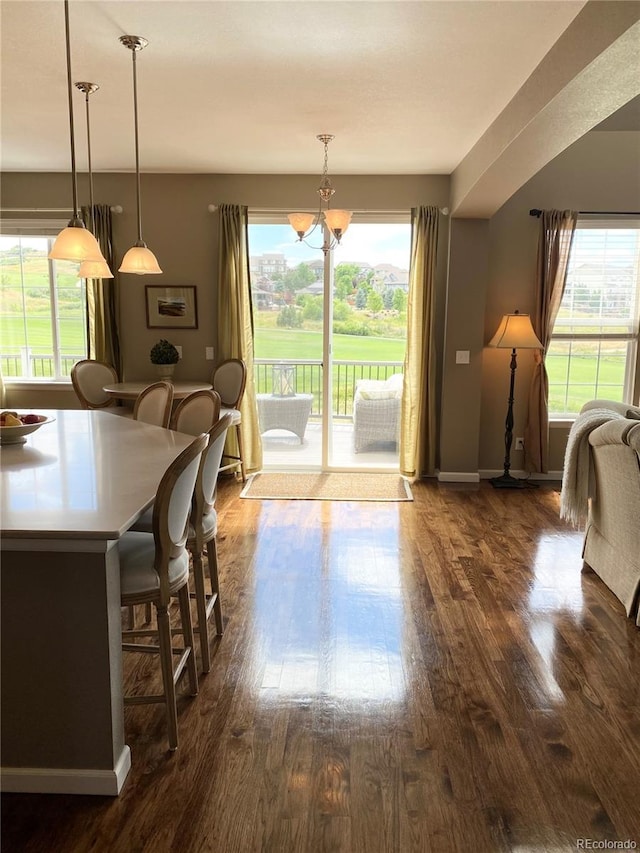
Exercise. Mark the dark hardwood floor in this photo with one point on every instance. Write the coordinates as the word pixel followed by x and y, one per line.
pixel 429 676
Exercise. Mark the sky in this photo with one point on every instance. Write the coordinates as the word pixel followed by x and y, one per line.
pixel 371 243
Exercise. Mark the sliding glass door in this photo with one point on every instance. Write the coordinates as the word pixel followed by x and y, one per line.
pixel 329 343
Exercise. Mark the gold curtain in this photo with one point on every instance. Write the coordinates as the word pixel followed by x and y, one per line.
pixel 418 414
pixel 102 294
pixel 235 323
pixel 557 228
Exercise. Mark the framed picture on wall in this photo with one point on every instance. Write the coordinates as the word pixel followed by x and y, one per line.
pixel 171 307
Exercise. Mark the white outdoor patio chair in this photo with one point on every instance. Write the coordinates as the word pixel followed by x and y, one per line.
pixel 376 412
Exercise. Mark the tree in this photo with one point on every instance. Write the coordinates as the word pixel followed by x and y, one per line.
pixel 289 317
pixel 374 302
pixel 341 311
pixel 361 298
pixel 313 308
pixel 400 300
pixel 299 277
pixel 346 280
pixel 387 297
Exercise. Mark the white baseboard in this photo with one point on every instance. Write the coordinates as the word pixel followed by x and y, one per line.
pixel 52 780
pixel 458 477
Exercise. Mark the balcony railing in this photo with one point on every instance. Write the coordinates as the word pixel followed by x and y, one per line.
pixel 308 380
pixel 26 365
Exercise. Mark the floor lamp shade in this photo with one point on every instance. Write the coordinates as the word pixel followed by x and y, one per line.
pixel 514 332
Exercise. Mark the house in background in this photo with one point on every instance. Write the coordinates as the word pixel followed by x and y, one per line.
pixel 537 111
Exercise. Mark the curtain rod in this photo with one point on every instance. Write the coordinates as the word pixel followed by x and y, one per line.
pixel 535 212
pixel 116 208
pixel 212 208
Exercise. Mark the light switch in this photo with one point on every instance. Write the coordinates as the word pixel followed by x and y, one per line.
pixel 462 356
pixel 179 351
pixel 208 353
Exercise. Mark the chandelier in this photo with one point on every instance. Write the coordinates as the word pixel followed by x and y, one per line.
pixel 337 221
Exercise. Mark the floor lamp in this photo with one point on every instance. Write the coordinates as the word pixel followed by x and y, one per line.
pixel 515 332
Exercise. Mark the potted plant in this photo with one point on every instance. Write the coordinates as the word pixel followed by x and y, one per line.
pixel 165 356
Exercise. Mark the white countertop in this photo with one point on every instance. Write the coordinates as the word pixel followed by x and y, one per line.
pixel 87 475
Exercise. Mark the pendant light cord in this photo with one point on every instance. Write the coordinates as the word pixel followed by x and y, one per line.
pixel 135 119
pixel 86 99
pixel 74 182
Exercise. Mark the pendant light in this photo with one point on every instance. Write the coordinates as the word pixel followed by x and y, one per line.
pixel 139 259
pixel 75 242
pixel 91 269
pixel 337 221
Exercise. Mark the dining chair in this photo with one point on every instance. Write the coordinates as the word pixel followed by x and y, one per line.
pixel 153 405
pixel 88 378
pixel 197 413
pixel 154 568
pixel 203 528
pixel 229 380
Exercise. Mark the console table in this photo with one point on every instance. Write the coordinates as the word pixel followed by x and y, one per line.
pixel 289 413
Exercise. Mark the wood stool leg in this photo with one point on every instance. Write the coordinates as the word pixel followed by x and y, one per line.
pixel 212 565
pixel 166 663
pixel 201 606
pixel 187 635
pixel 241 453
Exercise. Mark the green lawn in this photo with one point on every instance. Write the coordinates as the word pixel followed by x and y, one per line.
pixel 297 343
pixel 278 343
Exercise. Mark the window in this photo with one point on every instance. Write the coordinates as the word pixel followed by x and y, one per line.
pixel 42 309
pixel 594 347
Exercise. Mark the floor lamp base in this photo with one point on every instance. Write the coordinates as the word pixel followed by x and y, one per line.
pixel 506 481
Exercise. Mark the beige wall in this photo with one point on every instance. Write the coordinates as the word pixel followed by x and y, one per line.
pixel 178 227
pixel 599 172
pixel 461 387
pixel 491 269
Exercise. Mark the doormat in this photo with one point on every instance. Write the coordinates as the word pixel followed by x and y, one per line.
pixel 328 487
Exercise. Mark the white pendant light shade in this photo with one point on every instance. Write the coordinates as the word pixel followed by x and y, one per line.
pixel 301 222
pixel 95 269
pixel 76 243
pixel 337 221
pixel 140 261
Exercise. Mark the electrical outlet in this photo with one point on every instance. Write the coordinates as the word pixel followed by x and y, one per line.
pixel 208 353
pixel 179 351
pixel 519 443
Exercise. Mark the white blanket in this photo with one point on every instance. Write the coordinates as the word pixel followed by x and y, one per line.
pixel 577 476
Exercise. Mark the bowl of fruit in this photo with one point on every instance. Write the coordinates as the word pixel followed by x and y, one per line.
pixel 14 427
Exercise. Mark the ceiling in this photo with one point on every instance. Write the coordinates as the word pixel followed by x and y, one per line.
pixel 245 87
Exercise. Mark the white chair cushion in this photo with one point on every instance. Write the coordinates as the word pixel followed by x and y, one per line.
pixel 137 574
pixel 380 389
pixel 235 415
